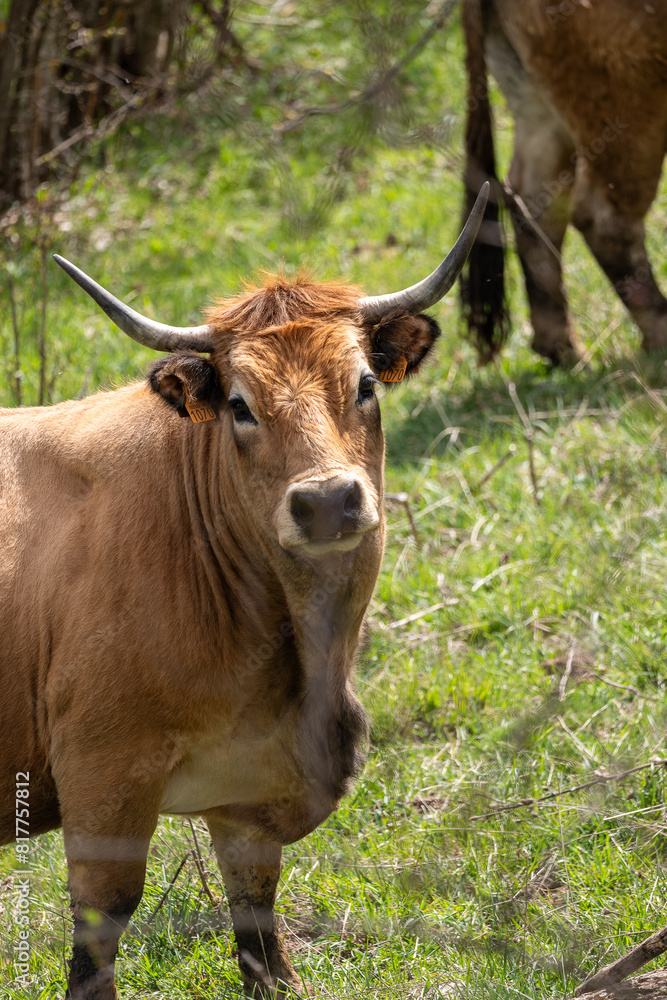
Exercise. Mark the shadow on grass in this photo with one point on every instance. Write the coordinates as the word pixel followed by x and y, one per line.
pixel 483 407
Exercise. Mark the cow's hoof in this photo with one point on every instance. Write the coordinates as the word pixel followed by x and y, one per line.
pixel 565 353
pixel 290 988
pixel 656 344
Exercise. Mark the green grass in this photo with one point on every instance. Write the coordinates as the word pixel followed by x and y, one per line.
pixel 405 891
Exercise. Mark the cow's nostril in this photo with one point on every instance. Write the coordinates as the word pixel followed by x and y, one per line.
pixel 352 505
pixel 303 508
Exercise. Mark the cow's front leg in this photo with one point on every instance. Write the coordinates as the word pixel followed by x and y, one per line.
pixel 107 835
pixel 103 900
pixel 250 869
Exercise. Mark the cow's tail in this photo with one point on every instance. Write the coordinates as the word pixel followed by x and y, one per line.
pixel 482 280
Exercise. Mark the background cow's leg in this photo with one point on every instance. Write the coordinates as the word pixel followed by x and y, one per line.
pixel 106 842
pixel 250 870
pixel 542 174
pixel 610 216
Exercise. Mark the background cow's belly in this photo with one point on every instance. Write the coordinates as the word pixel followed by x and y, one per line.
pixel 243 770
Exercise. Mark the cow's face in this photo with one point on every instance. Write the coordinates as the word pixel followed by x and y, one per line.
pixel 305 424
pixel 300 422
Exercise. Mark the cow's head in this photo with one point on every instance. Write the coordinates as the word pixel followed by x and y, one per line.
pixel 289 385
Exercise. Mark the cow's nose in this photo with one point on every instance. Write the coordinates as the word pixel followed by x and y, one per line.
pixel 325 512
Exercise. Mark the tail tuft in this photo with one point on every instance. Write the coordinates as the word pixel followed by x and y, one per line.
pixel 482 285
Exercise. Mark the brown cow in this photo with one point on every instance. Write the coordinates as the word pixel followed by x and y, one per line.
pixel 586 82
pixel 185 566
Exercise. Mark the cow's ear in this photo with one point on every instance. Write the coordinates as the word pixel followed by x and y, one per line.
pixel 186 377
pixel 400 343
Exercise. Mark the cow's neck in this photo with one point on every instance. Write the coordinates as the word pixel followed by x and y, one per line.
pixel 228 551
pixel 327 617
pixel 259 591
pixel 296 629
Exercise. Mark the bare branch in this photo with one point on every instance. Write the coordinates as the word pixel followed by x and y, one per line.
pixel 600 779
pixel 613 973
pixel 381 84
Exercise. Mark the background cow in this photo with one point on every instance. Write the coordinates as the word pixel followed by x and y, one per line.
pixel 586 82
pixel 185 566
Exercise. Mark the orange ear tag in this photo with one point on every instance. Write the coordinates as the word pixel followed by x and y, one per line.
pixel 199 412
pixel 396 374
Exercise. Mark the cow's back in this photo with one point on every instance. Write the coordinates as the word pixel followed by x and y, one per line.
pixel 603 61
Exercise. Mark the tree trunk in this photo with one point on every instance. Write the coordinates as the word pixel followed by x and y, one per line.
pixel 64 65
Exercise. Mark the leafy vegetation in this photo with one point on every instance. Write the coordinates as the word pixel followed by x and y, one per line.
pixel 517 644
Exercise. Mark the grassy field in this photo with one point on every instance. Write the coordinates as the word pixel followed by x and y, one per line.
pixel 517 641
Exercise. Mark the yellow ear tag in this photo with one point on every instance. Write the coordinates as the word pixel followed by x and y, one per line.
pixel 199 412
pixel 396 374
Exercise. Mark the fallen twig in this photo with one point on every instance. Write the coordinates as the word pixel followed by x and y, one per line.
pixel 186 857
pixel 625 687
pixel 613 973
pixel 599 779
pixel 199 861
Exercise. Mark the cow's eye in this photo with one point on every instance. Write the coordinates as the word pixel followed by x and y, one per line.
pixel 366 388
pixel 239 408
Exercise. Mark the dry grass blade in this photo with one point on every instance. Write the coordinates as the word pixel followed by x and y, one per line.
pixel 566 675
pixel 422 614
pixel 511 451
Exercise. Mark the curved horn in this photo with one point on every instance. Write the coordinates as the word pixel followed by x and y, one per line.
pixel 426 293
pixel 157 336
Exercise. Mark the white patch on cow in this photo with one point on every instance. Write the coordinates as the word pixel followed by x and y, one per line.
pixel 234 767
